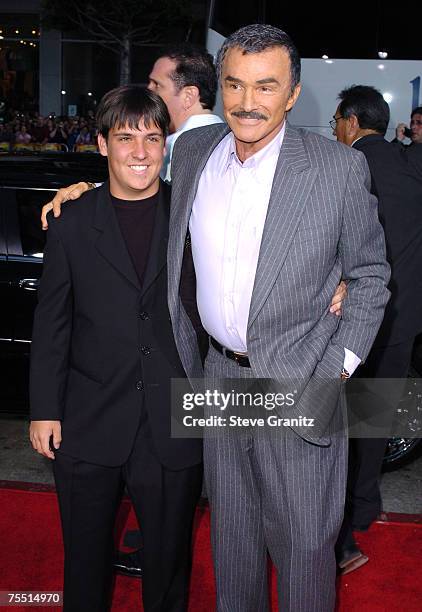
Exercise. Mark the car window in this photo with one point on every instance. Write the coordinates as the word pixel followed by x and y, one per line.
pixel 29 204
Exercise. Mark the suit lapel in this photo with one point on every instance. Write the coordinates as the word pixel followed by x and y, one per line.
pixel 110 243
pixel 158 250
pixel 293 180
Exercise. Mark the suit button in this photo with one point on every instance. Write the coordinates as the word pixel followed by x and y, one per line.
pixel 140 385
pixel 145 350
pixel 144 316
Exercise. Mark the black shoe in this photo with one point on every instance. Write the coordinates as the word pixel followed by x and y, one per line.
pixel 351 559
pixel 128 564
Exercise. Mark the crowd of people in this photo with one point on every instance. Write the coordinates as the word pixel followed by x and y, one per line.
pixel 27 128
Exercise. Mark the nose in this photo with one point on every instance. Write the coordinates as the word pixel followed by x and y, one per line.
pixel 248 99
pixel 139 149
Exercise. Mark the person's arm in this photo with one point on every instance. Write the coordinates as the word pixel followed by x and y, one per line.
pixel 50 347
pixel 400 135
pixel 40 433
pixel 364 264
pixel 73 192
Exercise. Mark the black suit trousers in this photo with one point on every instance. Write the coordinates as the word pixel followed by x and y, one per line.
pixel 363 498
pixel 164 503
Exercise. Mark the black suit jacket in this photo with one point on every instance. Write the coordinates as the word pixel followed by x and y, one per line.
pixel 397 182
pixel 103 348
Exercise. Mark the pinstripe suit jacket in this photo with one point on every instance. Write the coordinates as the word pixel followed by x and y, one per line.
pixel 321 226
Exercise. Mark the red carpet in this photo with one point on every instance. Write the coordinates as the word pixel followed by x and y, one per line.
pixel 31 559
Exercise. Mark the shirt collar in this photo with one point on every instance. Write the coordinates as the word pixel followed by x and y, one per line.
pixel 268 152
pixel 358 138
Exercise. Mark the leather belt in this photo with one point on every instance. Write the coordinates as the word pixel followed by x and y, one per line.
pixel 241 359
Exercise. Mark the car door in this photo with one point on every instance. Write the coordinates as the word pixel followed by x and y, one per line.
pixel 6 313
pixel 25 247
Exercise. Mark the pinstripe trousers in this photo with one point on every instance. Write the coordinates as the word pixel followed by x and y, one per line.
pixel 273 494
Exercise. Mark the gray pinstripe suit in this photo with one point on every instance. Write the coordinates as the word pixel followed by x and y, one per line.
pixel 286 494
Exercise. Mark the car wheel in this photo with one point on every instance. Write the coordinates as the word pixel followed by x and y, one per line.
pixel 401 450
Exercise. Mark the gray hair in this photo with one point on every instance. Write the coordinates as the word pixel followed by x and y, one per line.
pixel 260 37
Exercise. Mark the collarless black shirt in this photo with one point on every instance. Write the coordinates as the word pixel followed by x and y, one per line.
pixel 136 220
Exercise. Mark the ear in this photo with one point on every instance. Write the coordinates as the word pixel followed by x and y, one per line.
pixel 190 96
pixel 294 96
pixel 102 145
pixel 352 126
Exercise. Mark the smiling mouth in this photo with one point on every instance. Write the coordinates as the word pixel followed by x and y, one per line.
pixel 138 169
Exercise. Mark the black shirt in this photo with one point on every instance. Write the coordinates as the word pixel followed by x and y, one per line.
pixel 136 221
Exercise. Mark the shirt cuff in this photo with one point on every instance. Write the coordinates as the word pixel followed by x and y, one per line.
pixel 351 361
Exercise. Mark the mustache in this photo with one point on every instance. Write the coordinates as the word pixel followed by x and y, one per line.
pixel 249 115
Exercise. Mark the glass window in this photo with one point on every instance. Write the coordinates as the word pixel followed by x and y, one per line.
pixel 29 204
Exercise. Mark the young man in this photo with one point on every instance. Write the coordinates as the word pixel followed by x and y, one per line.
pixel 103 355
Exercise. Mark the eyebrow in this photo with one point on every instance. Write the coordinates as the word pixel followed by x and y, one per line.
pixel 265 81
pixel 132 134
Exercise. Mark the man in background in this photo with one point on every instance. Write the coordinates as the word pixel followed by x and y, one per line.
pixel 361 121
pixel 185 78
pixel 415 131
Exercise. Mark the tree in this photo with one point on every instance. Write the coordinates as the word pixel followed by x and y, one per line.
pixel 119 24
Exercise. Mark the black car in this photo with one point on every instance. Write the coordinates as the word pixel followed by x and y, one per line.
pixel 26 184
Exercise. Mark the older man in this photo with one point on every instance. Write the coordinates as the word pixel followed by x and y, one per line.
pixel 277 216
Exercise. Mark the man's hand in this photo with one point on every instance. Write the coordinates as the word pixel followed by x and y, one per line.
pixel 400 131
pixel 39 434
pixel 338 299
pixel 73 192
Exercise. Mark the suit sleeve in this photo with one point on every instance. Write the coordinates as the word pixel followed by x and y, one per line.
pixel 51 333
pixel 365 268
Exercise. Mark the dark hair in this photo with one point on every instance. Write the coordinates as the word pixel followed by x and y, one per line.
pixel 260 37
pixel 127 105
pixel 416 111
pixel 367 104
pixel 194 66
